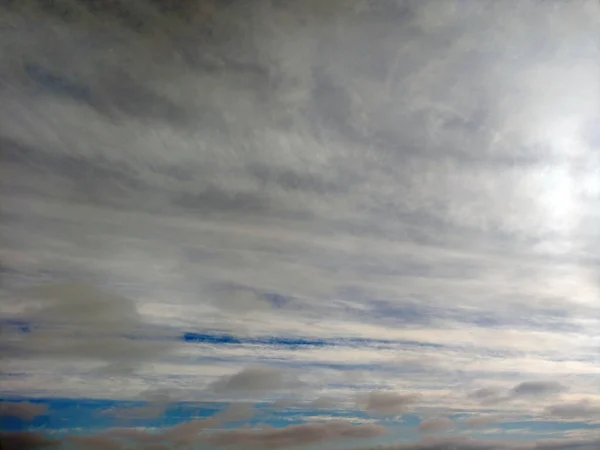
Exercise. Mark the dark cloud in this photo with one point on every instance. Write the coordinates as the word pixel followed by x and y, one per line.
pixel 25 440
pixel 93 442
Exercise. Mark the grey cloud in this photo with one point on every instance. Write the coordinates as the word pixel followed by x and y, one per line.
pixel 467 443
pixel 537 389
pixel 295 435
pixel 387 402
pixel 23 410
pixel 576 410
pixel 380 116
pixel 236 412
pixel 486 394
pixel 435 424
pixel 482 420
pixel 78 321
pixel 256 379
pixel 180 435
pixel 323 403
pixel 524 390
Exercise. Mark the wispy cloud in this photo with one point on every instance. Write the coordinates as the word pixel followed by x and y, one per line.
pixel 378 211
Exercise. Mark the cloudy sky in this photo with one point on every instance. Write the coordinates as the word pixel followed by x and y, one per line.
pixel 341 224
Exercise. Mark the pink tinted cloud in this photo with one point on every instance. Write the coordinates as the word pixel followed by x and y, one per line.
pixel 23 410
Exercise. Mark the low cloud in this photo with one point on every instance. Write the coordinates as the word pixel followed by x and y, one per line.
pixel 387 402
pixel 24 440
pixel 435 424
pixel 183 434
pixel 77 321
pixel 524 390
pixel 294 435
pixel 482 421
pixel 537 389
pixel 25 411
pixel 236 412
pixel 576 410
pixel 468 443
pixel 255 379
pixel 323 403
pixel 94 442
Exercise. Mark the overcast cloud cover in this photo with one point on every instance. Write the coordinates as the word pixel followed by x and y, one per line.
pixel 321 224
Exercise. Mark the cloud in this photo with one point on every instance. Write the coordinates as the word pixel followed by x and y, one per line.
pixel 183 434
pixel 583 409
pixel 25 411
pixel 395 170
pixel 537 389
pixel 79 321
pixel 387 402
pixel 256 379
pixel 482 420
pixel 468 443
pixel 295 435
pixel 486 394
pixel 522 391
pixel 236 412
pixel 25 440
pixel 435 424
pixel 323 403
pixel 93 442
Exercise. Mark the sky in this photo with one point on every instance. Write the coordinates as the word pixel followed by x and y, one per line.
pixel 312 225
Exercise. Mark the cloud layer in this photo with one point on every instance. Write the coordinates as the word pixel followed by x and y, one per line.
pixel 300 223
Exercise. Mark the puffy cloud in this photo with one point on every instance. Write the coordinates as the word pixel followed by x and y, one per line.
pixel 435 424
pixel 388 402
pixel 293 435
pixel 26 411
